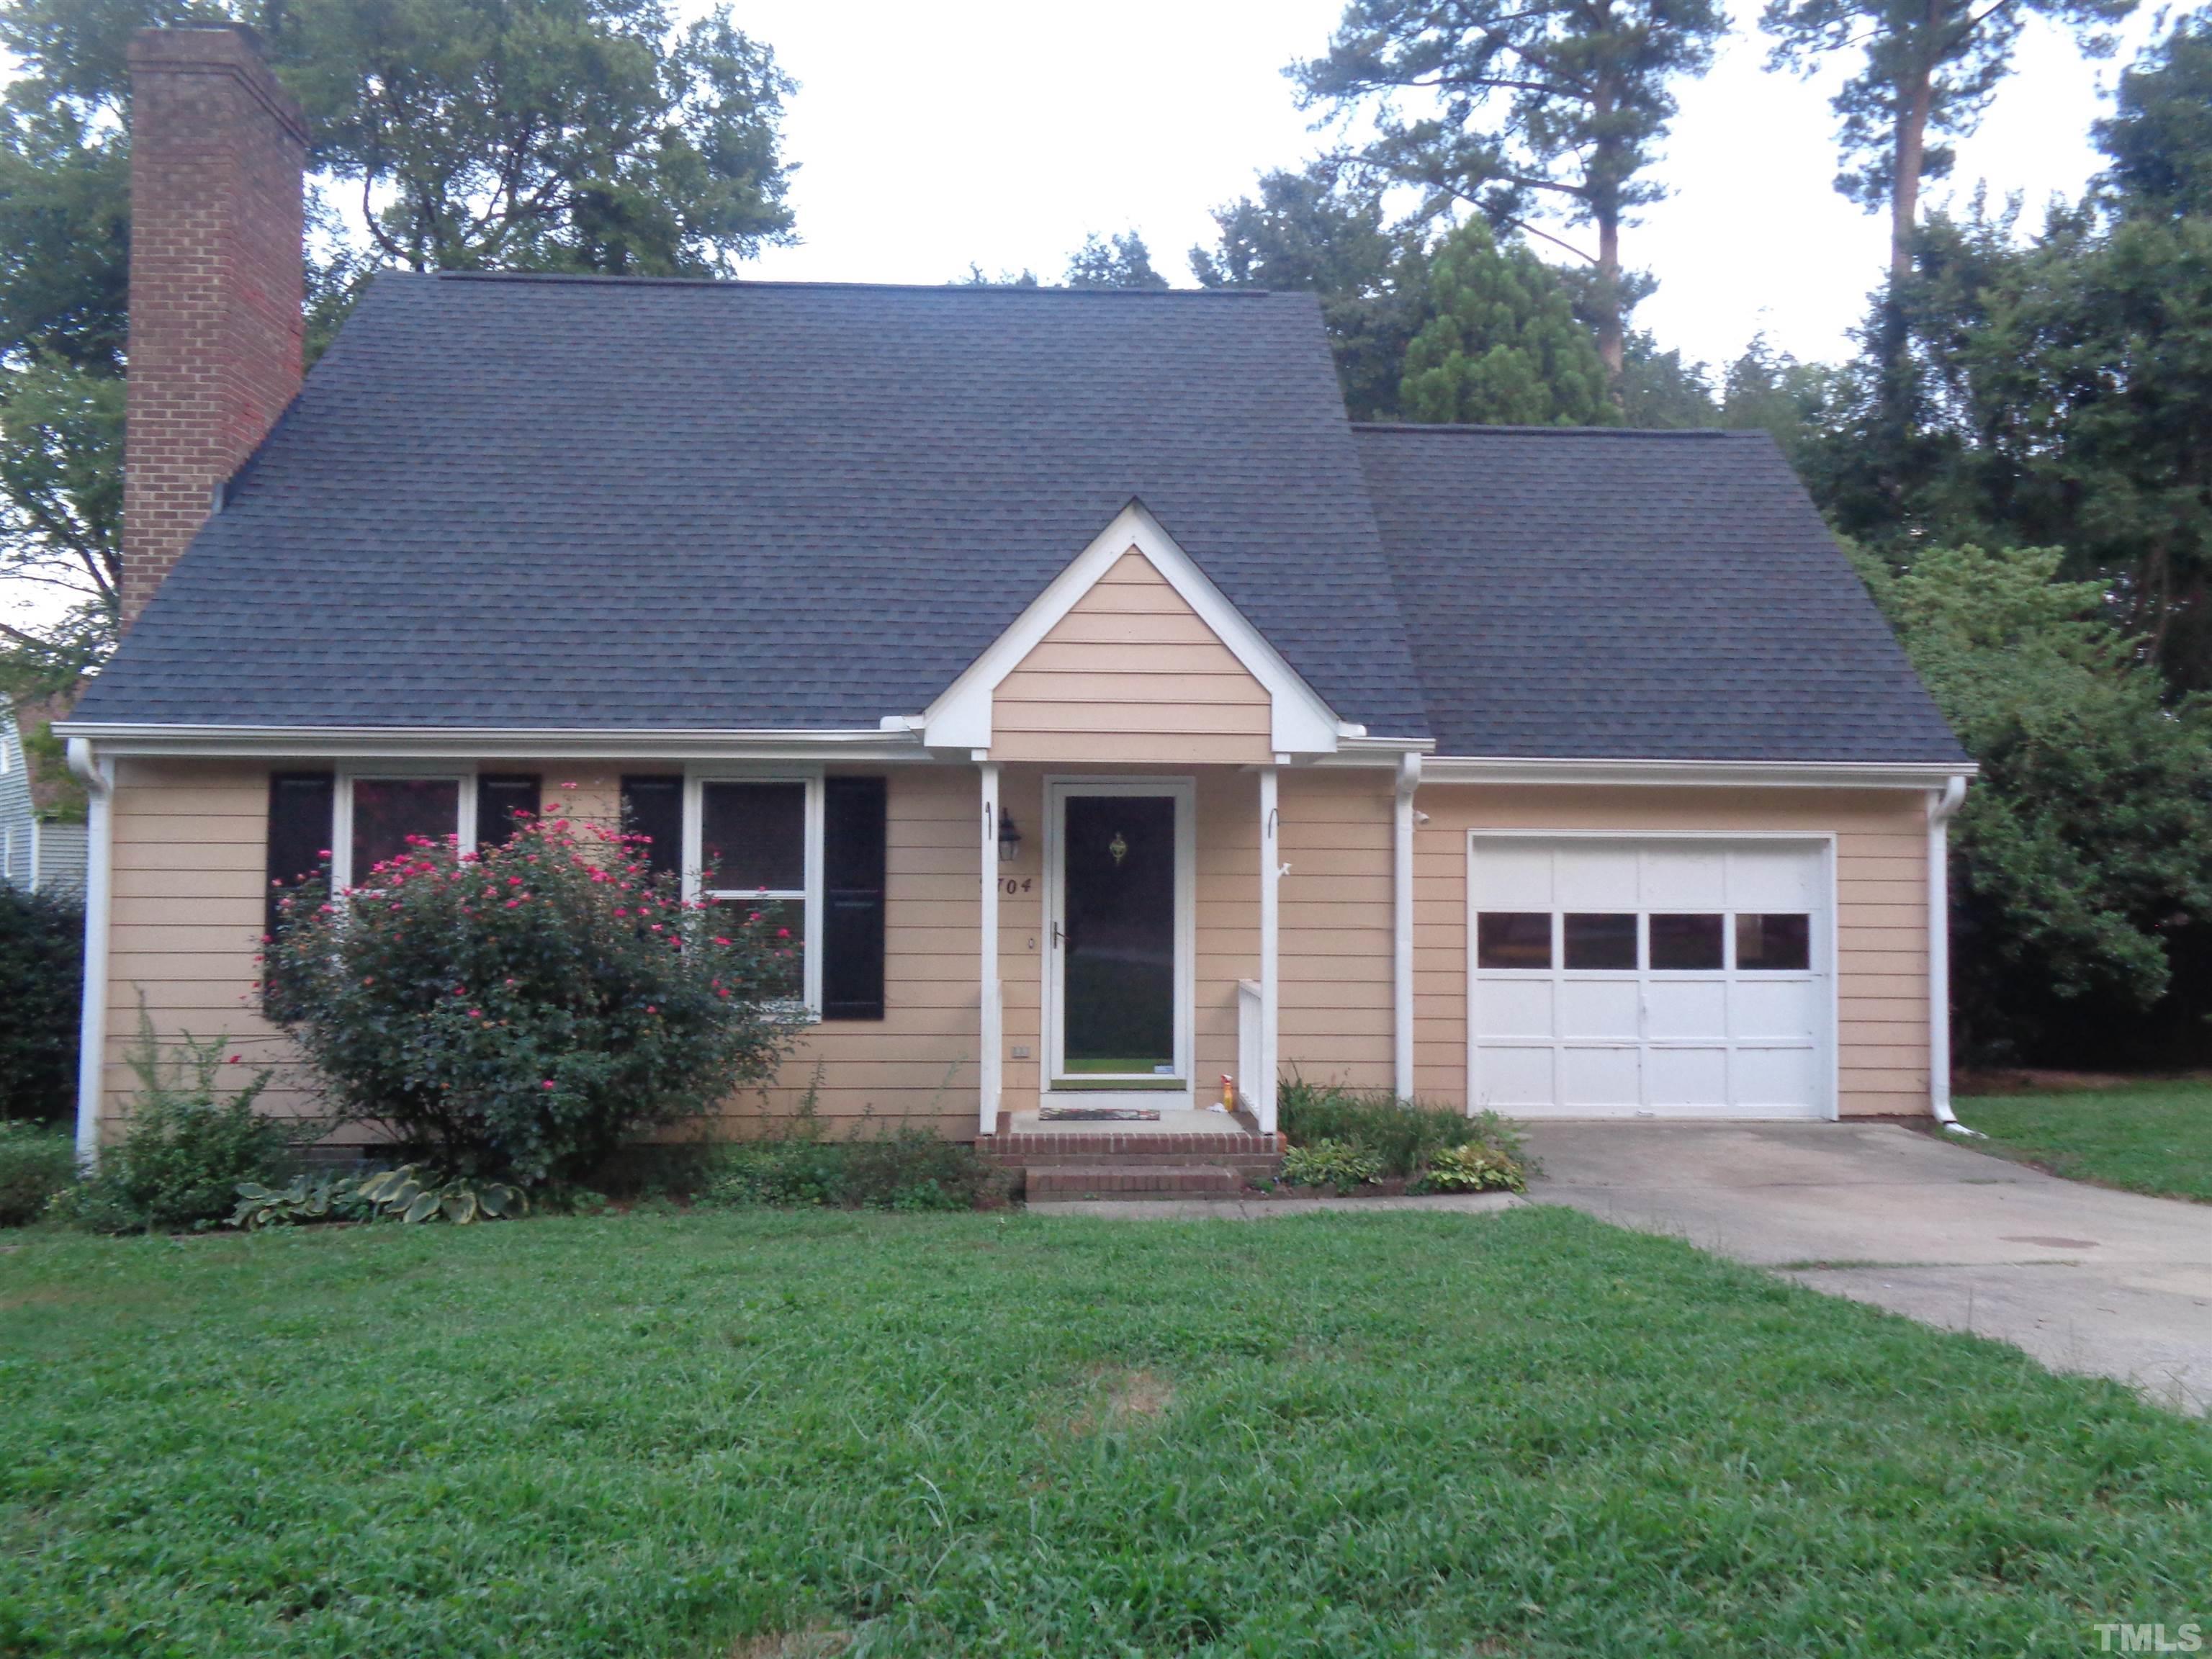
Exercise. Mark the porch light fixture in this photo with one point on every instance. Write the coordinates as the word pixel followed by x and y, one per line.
pixel 1010 838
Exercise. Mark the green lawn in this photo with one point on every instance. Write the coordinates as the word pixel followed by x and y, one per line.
pixel 1335 1435
pixel 2148 1137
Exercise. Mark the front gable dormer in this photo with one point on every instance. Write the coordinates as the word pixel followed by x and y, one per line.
pixel 1132 654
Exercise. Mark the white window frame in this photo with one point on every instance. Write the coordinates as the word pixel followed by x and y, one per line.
pixel 809 899
pixel 463 775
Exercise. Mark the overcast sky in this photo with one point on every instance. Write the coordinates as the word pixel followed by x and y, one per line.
pixel 1001 131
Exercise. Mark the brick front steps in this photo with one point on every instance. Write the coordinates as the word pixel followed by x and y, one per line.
pixel 1108 1164
pixel 1063 1180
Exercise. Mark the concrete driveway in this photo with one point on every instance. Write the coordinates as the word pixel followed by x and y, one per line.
pixel 2085 1279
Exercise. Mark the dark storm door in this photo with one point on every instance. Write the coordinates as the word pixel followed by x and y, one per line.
pixel 1117 937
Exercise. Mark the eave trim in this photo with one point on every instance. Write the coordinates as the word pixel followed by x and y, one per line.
pixel 493 743
pixel 1774 775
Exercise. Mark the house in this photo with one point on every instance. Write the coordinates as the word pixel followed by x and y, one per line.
pixel 1118 716
pixel 41 847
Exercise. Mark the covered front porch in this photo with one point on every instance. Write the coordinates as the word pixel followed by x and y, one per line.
pixel 1131 959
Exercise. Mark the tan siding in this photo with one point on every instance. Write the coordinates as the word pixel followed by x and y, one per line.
pixel 1333 956
pixel 191 850
pixel 918 1065
pixel 1880 896
pixel 1132 674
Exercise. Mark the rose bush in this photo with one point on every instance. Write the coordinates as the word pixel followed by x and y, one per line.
pixel 518 1013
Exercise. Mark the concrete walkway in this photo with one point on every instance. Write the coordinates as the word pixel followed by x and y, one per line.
pixel 1268 1209
pixel 2085 1279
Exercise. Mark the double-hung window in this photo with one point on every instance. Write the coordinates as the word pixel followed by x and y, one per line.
pixel 373 809
pixel 379 811
pixel 757 841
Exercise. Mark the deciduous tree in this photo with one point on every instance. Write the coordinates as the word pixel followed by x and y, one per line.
pixel 1119 261
pixel 1318 230
pixel 564 134
pixel 2085 847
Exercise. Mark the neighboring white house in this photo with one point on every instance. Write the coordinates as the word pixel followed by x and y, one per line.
pixel 36 852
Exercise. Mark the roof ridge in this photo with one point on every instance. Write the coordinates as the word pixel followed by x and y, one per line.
pixel 1472 428
pixel 596 279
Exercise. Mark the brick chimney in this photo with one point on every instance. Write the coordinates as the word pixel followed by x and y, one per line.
pixel 218 154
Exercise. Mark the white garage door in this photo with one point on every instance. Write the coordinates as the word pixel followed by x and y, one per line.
pixel 1684 976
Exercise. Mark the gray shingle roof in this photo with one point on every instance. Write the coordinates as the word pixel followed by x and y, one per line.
pixel 531 502
pixel 546 502
pixel 1607 593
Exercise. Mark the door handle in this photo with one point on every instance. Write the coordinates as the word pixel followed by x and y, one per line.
pixel 1056 936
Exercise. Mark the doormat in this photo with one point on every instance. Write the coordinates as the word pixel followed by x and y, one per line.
pixel 1099 1115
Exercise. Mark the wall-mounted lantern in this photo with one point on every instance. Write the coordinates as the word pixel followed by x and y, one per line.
pixel 1010 838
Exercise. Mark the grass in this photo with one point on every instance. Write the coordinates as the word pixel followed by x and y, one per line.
pixel 2152 1137
pixel 704 1433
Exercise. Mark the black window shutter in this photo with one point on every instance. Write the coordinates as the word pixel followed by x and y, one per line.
pixel 655 807
pixel 852 860
pixel 300 805
pixel 499 800
pixel 301 821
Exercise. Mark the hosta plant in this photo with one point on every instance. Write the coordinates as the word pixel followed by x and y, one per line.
pixel 1330 1163
pixel 409 1194
pixel 327 1198
pixel 1472 1167
pixel 518 1013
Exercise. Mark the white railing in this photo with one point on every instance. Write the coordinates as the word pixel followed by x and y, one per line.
pixel 1248 1048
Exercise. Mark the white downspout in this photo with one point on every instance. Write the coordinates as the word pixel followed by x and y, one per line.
pixel 99 779
pixel 1940 805
pixel 1401 942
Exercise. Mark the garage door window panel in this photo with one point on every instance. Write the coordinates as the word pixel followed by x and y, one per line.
pixel 1774 943
pixel 1514 939
pixel 1601 940
pixel 1687 944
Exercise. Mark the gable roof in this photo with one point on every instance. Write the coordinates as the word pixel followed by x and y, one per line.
pixel 570 503
pixel 1606 593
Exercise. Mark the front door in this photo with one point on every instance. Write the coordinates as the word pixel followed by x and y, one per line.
pixel 1119 937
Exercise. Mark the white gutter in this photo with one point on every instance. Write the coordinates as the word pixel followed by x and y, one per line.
pixel 1940 805
pixel 489 742
pixel 1356 748
pixel 1401 942
pixel 99 779
pixel 1782 774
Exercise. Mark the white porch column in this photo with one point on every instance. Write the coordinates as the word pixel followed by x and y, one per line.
pixel 99 779
pixel 991 1062
pixel 1401 943
pixel 1271 874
